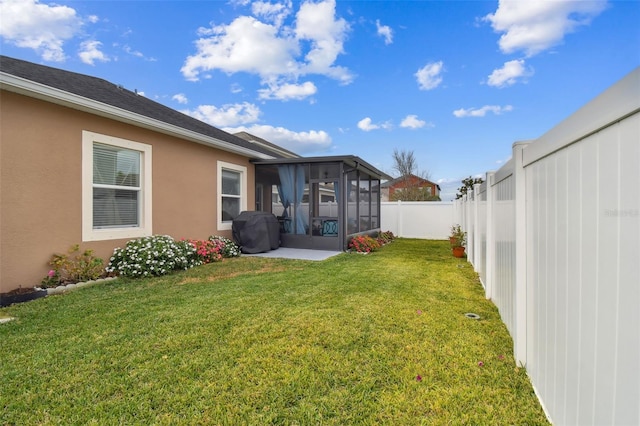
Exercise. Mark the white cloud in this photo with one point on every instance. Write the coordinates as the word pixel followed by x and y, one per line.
pixel 137 53
pixel 271 50
pixel 298 142
pixel 90 52
pixel 481 112
pixel 385 32
pixel 180 98
pixel 534 26
pixel 367 125
pixel 288 91
pixel 41 27
pixel 227 115
pixel 429 77
pixel 509 74
pixel 272 12
pixel 413 122
pixel 317 23
pixel 244 45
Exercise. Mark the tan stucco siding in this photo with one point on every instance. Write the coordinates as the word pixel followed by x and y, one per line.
pixel 41 185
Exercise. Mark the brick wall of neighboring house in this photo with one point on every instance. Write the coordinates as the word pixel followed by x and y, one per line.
pixel 413 182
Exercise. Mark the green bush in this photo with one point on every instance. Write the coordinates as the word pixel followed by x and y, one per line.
pixel 75 266
pixel 229 248
pixel 153 256
pixel 364 244
pixel 385 237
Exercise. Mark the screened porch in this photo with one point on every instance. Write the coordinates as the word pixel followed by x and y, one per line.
pixel 320 202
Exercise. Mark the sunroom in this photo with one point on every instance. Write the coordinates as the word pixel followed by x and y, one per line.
pixel 320 202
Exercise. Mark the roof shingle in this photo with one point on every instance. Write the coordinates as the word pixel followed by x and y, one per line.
pixel 105 92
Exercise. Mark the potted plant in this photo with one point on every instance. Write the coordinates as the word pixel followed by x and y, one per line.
pixel 458 240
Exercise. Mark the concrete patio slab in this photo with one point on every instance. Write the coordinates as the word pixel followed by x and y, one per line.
pixel 294 253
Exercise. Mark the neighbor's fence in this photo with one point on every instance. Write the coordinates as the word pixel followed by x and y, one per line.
pixel 417 219
pixel 555 238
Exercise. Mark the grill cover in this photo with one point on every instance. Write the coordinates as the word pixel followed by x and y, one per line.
pixel 256 232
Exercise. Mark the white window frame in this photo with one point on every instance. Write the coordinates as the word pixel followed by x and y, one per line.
pixel 222 165
pixel 145 227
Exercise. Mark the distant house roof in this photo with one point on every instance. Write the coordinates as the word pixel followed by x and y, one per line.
pixel 393 182
pixel 285 153
pixel 104 98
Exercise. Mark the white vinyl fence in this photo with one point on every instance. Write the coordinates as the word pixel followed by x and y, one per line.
pixel 417 219
pixel 555 238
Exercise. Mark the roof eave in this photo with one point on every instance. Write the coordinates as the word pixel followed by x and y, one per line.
pixel 40 91
pixel 351 160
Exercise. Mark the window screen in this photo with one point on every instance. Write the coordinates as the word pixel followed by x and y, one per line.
pixel 116 187
pixel 231 195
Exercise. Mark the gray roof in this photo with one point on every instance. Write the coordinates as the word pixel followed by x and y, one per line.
pixel 103 91
pixel 350 160
pixel 256 139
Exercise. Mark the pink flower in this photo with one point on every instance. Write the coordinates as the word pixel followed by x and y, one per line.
pixel 480 364
pixel 418 378
pixel 419 312
pixel 500 356
pixel 51 273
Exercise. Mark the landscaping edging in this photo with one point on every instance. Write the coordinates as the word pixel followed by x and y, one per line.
pixel 70 287
pixel 40 292
pixel 10 299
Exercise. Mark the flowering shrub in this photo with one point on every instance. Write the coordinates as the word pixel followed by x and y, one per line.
pixel 385 237
pixel 73 267
pixel 208 251
pixel 364 244
pixel 51 280
pixel 155 255
pixel 229 248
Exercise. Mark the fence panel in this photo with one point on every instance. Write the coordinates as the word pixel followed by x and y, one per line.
pixel 417 219
pixel 585 289
pixel 505 251
pixel 480 249
pixel 563 221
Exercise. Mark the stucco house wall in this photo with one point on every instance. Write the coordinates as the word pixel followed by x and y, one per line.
pixel 41 185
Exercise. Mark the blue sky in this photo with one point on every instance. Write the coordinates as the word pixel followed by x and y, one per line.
pixel 456 82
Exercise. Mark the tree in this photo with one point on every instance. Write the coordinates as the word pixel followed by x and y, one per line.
pixel 405 164
pixel 467 185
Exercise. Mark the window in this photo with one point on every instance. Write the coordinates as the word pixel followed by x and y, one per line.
pixel 232 193
pixel 116 188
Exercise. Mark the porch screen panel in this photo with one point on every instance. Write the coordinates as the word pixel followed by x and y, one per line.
pixel 375 204
pixel 352 203
pixel 116 187
pixel 364 189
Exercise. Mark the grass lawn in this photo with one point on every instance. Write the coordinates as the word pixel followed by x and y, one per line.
pixel 270 341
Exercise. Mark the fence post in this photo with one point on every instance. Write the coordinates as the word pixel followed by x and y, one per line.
pixel 520 343
pixel 399 218
pixel 468 210
pixel 477 241
pixel 490 248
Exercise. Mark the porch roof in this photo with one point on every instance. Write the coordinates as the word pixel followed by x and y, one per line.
pixel 350 160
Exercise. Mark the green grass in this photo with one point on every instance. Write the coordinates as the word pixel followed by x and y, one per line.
pixel 270 341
